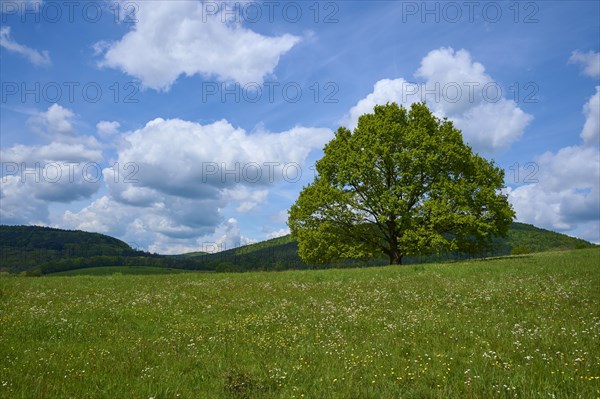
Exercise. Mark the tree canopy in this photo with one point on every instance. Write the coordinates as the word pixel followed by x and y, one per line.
pixel 402 183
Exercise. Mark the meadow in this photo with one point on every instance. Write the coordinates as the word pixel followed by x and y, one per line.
pixel 516 327
pixel 117 270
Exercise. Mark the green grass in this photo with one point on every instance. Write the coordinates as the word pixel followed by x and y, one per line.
pixel 525 327
pixel 110 270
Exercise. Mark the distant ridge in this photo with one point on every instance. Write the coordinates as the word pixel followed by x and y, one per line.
pixel 50 238
pixel 27 247
pixel 282 252
pixel 45 250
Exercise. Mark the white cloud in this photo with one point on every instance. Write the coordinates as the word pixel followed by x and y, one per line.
pixel 14 209
pixel 53 152
pixel 280 217
pixel 101 216
pixel 173 178
pixel 278 233
pixel 27 189
pixel 34 176
pixel 247 197
pixel 590 62
pixel 490 127
pixel 156 226
pixel 456 87
pixel 591 129
pixel 107 129
pixel 457 81
pixel 384 90
pixel 228 236
pixel 567 195
pixel 573 167
pixel 65 170
pixel 56 119
pixel 172 38
pixel 56 125
pixel 36 57
pixel 191 160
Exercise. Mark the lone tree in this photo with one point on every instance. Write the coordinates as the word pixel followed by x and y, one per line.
pixel 403 183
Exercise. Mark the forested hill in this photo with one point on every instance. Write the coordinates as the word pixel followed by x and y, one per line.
pixel 72 242
pixel 27 247
pixel 282 253
pixel 44 250
pixel 529 238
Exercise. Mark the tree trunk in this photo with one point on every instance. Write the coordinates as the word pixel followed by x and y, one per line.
pixel 394 253
pixel 395 258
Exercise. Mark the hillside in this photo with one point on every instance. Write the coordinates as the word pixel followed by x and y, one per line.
pixel 539 240
pixel 282 253
pixel 43 250
pixel 26 247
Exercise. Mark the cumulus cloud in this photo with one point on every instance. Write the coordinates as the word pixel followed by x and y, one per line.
pixel 191 160
pixel 173 178
pixel 591 129
pixel 28 188
pixel 34 176
pixel 454 86
pixel 590 62
pixel 228 236
pixel 53 152
pixel 107 129
pixel 385 90
pixel 278 233
pixel 490 127
pixel 247 197
pixel 567 194
pixel 166 221
pixel 56 124
pixel 13 208
pixel 160 228
pixel 55 120
pixel 36 57
pixel 453 71
pixel 173 38
pixel 101 216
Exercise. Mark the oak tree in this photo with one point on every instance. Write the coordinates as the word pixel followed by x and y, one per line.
pixel 402 183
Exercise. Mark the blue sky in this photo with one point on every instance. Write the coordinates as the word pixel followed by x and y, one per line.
pixel 185 125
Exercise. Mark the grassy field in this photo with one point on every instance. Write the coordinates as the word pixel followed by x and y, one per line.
pixel 110 270
pixel 521 327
